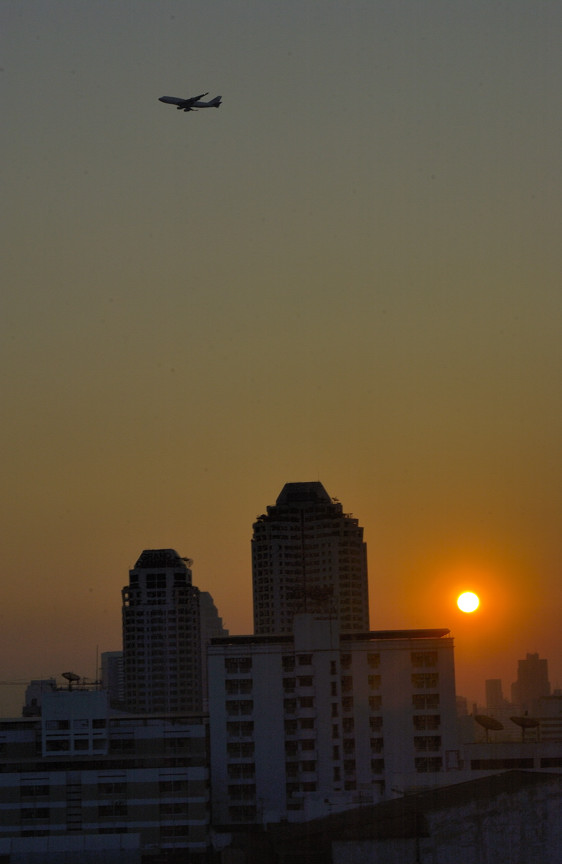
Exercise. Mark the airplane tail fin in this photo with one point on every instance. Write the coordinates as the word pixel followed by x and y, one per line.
pixel 214 103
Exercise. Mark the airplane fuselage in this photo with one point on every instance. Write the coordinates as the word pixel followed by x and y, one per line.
pixel 192 103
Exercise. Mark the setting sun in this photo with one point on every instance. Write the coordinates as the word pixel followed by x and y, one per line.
pixel 468 602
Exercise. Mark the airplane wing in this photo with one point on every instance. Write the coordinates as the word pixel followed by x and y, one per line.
pixel 213 103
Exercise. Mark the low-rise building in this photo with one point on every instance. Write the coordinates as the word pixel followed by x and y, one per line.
pixel 79 773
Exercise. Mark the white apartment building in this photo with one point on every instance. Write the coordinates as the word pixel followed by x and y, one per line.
pixel 83 783
pixel 306 723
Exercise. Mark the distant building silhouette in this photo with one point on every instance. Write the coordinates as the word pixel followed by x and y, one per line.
pixel 494 694
pixel 532 682
pixel 165 634
pixel 308 556
pixel 112 676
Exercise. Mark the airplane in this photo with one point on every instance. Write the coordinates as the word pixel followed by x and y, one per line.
pixel 192 103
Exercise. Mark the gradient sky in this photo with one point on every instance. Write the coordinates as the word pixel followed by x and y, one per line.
pixel 350 273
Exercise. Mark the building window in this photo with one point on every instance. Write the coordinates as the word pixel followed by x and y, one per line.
pixel 377 745
pixel 239 708
pixel 375 703
pixel 427 742
pixel 34 791
pixel 109 787
pixel 375 723
pixel 374 660
pixel 377 766
pixel 237 686
pixel 241 770
pixel 425 680
pixel 288 663
pixel 241 729
pixel 426 721
pixel 422 702
pixel 115 810
pixel 238 665
pixel 242 792
pixel 374 682
pixel 428 764
pixel 424 658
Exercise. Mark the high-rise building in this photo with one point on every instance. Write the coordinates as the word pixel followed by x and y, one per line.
pixel 163 635
pixel 532 682
pixel 308 556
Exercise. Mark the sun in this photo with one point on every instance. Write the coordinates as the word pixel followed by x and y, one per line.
pixel 468 602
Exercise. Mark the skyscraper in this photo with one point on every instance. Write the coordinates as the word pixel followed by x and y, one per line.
pixel 308 556
pixel 163 634
pixel 532 682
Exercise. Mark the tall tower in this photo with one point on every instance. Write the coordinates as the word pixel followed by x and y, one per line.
pixel 162 651
pixel 308 556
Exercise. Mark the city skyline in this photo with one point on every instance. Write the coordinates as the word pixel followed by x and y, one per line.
pixel 347 274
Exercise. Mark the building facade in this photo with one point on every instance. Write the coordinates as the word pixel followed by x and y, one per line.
pixel 308 556
pixel 165 628
pixel 306 723
pixel 81 778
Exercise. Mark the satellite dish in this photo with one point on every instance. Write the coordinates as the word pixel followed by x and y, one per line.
pixel 488 723
pixel 525 723
pixel 71 677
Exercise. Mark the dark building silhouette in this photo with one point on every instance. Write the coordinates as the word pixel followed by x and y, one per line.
pixel 308 556
pixel 166 624
pixel 532 682
pixel 494 694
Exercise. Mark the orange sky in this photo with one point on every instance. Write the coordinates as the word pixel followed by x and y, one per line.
pixel 349 272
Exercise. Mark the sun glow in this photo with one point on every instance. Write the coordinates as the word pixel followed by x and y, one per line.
pixel 468 602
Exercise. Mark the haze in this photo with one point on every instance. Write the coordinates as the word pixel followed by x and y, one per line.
pixel 349 272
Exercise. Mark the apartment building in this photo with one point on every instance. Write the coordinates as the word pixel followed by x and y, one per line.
pixel 80 782
pixel 306 723
pixel 167 622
